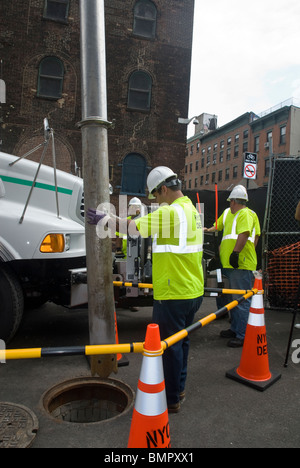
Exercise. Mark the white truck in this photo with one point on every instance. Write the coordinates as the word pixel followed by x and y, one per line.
pixel 42 239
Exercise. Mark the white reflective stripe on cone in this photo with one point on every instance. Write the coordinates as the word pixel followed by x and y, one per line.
pixel 152 372
pixel 257 301
pixel 256 320
pixel 151 404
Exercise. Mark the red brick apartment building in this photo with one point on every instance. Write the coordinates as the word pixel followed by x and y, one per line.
pixel 148 49
pixel 217 156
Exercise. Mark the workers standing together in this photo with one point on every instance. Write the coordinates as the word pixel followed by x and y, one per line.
pixel 177 250
pixel 241 231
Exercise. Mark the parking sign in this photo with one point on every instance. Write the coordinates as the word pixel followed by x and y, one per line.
pixel 250 166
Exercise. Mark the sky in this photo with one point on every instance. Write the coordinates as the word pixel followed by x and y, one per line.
pixel 245 57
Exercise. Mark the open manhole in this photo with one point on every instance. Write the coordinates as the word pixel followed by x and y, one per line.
pixel 88 400
pixel 18 426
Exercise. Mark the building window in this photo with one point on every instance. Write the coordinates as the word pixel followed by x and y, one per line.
pixel 145 15
pixel 235 172
pixel 245 147
pixel 57 10
pixel 220 176
pixel 227 173
pixel 139 92
pixel 282 135
pixel 256 144
pixel 134 174
pixel 236 151
pixel 267 167
pixel 51 76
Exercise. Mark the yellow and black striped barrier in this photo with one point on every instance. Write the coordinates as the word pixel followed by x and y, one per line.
pixel 124 284
pixel 94 350
pixel 206 320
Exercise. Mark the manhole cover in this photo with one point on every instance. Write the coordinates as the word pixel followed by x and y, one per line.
pixel 18 426
pixel 88 400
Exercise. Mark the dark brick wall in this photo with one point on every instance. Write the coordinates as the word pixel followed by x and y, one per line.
pixel 26 38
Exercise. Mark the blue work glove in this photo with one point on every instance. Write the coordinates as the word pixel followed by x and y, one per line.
pixel 94 216
pixel 234 260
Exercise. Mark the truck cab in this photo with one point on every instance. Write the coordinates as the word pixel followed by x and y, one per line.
pixel 42 238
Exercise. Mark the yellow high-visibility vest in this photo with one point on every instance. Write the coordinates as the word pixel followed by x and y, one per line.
pixel 177 250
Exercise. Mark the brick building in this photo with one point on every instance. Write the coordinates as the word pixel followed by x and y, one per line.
pixel 148 45
pixel 217 156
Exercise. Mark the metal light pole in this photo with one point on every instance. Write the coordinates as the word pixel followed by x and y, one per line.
pixel 94 127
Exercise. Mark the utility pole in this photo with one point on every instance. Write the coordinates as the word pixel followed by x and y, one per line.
pixel 2 99
pixel 94 126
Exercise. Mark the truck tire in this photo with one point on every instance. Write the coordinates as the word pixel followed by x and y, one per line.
pixel 12 304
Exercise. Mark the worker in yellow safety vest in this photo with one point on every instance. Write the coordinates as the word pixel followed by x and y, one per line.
pixel 178 284
pixel 241 231
pixel 134 210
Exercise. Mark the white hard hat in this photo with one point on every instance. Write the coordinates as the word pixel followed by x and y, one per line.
pixel 135 201
pixel 156 178
pixel 238 193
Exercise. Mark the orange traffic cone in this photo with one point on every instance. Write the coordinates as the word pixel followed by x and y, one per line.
pixel 150 420
pixel 122 361
pixel 254 366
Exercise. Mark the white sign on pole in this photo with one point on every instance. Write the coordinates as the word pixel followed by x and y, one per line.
pixel 250 166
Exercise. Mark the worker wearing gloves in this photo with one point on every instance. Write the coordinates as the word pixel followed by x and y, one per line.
pixel 241 231
pixel 178 284
pixel 134 210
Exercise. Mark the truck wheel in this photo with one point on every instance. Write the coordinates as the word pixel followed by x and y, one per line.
pixel 12 304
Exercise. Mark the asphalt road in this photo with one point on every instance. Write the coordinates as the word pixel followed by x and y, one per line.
pixel 217 412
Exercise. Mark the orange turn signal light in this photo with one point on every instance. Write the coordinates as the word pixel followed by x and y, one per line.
pixel 53 243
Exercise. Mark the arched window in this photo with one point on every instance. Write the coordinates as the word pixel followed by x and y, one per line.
pixel 51 76
pixel 134 175
pixel 139 92
pixel 145 15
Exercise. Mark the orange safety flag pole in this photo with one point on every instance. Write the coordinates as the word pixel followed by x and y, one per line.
pixel 199 205
pixel 216 204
